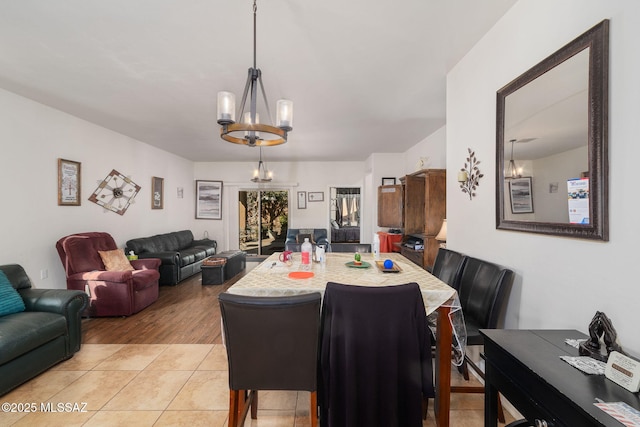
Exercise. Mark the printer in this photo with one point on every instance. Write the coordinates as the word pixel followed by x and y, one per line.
pixel 413 242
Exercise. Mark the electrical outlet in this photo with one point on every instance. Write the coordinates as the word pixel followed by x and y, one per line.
pixel 44 274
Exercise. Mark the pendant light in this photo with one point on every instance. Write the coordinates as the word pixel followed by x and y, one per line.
pixel 512 169
pixel 262 174
pixel 250 131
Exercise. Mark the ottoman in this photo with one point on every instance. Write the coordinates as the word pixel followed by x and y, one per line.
pixel 236 262
pixel 213 271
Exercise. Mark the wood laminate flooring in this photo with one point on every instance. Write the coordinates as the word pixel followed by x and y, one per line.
pixel 187 313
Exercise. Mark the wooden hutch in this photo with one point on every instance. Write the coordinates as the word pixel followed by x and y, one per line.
pixel 418 205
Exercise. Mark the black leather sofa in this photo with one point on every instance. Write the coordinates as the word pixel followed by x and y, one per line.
pixel 46 333
pixel 180 254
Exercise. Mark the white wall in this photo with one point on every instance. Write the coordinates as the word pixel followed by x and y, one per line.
pixel 561 282
pixel 32 138
pixel 559 168
pixel 430 153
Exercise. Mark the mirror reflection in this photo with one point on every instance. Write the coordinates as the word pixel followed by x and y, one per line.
pixel 551 143
pixel 546 139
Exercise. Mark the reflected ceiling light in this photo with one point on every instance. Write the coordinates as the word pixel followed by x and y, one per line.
pixel 250 131
pixel 262 174
pixel 513 170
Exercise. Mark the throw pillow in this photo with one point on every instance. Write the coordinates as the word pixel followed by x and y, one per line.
pixel 10 300
pixel 115 260
pixel 335 225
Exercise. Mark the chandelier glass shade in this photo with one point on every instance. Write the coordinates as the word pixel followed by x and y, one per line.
pixel 261 174
pixel 249 131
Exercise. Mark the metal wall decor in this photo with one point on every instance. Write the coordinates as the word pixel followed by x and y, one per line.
pixel 469 176
pixel 115 193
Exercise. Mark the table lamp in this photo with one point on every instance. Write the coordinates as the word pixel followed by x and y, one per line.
pixel 442 234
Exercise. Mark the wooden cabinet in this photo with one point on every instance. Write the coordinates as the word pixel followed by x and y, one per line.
pixel 418 206
pixel 390 206
pixel 414 204
pixel 425 207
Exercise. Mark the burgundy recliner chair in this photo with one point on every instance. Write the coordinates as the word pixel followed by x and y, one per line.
pixel 112 293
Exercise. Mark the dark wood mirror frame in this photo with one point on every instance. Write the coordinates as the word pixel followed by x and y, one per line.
pixel 597 40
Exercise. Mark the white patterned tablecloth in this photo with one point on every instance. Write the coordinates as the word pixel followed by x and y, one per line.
pixel 271 278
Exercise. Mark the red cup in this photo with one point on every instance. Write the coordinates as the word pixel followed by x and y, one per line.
pixel 286 256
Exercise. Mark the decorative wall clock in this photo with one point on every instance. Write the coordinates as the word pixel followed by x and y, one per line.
pixel 115 193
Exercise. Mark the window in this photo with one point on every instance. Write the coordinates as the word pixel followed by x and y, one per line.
pixel 263 220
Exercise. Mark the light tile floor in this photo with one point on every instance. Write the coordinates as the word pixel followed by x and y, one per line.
pixel 165 385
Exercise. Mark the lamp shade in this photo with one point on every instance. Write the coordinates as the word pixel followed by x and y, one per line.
pixel 284 114
pixel 442 234
pixel 226 107
pixel 246 118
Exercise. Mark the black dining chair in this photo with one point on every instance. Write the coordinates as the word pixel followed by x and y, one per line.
pixel 351 247
pixel 448 267
pixel 484 290
pixel 272 344
pixel 376 368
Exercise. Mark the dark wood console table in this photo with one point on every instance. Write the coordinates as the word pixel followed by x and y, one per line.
pixel 524 366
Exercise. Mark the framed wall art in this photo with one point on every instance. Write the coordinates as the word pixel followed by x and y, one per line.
pixel 316 196
pixel 302 200
pixel 157 192
pixel 521 197
pixel 208 199
pixel 68 183
pixel 388 181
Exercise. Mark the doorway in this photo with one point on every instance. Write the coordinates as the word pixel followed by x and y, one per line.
pixel 263 220
pixel 344 214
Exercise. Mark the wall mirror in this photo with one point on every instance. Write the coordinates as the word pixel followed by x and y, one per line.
pixel 552 148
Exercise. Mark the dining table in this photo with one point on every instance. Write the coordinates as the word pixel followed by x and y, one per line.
pixel 275 277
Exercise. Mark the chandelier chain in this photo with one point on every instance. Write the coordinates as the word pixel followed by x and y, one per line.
pixel 255 10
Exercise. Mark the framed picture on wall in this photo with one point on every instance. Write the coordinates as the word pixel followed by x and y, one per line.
pixel 68 183
pixel 208 199
pixel 521 196
pixel 388 181
pixel 316 196
pixel 302 200
pixel 157 192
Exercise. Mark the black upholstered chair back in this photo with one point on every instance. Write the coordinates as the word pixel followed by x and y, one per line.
pixel 484 291
pixel 448 267
pixel 375 356
pixel 272 342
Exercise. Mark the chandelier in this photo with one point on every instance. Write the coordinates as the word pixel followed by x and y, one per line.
pixel 513 170
pixel 262 174
pixel 249 131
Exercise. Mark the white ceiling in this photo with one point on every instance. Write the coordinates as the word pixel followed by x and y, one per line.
pixel 364 76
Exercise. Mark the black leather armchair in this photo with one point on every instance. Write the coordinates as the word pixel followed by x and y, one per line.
pixel 295 238
pixel 46 333
pixel 272 344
